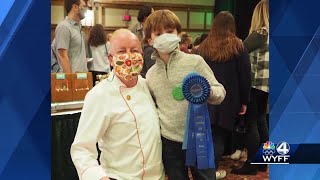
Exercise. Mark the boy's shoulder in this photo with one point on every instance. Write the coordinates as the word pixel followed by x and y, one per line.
pixel 195 56
pixel 191 58
pixel 151 71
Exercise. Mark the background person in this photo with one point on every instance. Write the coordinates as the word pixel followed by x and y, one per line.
pixel 69 39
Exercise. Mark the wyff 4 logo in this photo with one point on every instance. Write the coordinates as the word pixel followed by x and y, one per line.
pixel 270 155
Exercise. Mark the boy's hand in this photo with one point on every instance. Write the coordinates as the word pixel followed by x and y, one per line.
pixel 105 178
pixel 243 109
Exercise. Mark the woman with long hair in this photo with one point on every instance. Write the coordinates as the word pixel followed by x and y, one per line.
pixel 98 50
pixel 229 60
pixel 257 44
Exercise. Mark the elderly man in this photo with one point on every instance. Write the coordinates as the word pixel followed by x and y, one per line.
pixel 119 113
pixel 69 44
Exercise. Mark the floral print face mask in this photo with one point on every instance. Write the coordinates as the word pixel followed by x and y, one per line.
pixel 128 65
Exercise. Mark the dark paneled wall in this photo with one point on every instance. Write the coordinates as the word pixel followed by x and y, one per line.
pixel 242 11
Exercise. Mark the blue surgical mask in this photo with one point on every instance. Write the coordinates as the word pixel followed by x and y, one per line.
pixel 166 43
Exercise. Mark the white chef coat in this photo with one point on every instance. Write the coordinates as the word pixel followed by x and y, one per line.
pixel 126 124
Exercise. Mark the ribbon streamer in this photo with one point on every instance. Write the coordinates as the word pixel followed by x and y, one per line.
pixel 198 135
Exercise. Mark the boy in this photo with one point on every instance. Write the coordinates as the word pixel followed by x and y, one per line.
pixel 161 30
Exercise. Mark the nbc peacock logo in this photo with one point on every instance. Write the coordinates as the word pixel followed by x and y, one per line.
pixel 268 148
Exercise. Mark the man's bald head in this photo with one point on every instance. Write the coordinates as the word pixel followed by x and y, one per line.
pixel 124 39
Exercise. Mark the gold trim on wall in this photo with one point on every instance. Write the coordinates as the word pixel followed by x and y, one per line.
pixel 188 9
pixel 137 5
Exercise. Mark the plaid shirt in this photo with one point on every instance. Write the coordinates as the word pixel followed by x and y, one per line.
pixel 259 57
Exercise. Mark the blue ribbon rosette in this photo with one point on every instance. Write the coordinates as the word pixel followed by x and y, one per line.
pixel 198 135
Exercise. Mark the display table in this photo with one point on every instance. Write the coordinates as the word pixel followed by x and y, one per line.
pixel 64 119
pixel 66 108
